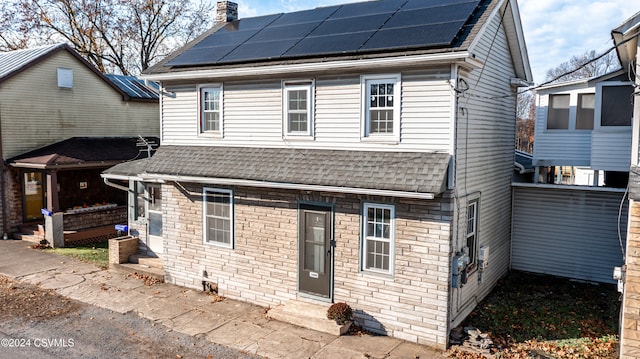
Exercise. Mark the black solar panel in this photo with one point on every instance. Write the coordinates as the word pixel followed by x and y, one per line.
pixel 410 37
pixel 351 25
pixel 368 8
pixel 331 44
pixel 416 17
pixel 350 28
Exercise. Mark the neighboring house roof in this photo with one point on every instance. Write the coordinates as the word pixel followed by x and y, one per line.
pixel 135 87
pixel 83 152
pixel 625 38
pixel 616 75
pixel 13 63
pixel 355 31
pixel 408 174
pixel 523 162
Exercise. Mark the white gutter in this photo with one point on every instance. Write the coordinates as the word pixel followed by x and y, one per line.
pixel 462 56
pixel 115 185
pixel 288 186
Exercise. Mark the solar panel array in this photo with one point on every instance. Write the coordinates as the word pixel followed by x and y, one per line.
pixel 134 87
pixel 343 29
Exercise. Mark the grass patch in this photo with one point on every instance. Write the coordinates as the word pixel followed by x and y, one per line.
pixel 97 254
pixel 554 316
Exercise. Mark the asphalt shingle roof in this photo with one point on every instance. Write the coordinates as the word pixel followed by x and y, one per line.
pixel 390 171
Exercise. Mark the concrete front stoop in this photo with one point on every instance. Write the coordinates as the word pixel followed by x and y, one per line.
pixel 307 315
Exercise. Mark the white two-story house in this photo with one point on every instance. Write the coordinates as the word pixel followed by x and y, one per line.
pixel 358 153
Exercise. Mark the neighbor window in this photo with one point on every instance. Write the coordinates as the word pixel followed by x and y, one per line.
pixel 617 105
pixel 378 237
pixel 381 106
pixel 472 233
pixel 585 111
pixel 211 109
pixel 65 78
pixel 558 114
pixel 218 217
pixel 298 105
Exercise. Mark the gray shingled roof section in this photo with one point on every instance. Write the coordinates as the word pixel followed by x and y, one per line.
pixel 12 61
pixel 393 171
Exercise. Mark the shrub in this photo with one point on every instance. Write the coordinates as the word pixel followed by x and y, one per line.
pixel 340 312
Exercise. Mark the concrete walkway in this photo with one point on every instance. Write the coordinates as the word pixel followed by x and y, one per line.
pixel 230 323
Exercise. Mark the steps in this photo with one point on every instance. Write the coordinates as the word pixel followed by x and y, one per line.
pixel 307 315
pixel 142 264
pixel 30 233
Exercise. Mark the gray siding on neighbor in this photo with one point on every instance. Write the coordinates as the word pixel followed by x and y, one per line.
pixel 567 232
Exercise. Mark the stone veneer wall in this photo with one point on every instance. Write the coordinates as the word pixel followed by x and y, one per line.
pixel 262 268
pixel 630 339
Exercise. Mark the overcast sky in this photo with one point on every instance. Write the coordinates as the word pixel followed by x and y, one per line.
pixel 555 30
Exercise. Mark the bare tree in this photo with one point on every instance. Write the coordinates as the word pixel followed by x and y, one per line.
pixel 584 66
pixel 525 122
pixel 123 36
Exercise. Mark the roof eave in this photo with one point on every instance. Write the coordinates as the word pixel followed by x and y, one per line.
pixel 283 185
pixel 318 66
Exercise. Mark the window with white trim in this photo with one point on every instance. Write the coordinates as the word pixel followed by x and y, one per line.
pixel 381 106
pixel 378 237
pixel 298 108
pixel 211 109
pixel 472 234
pixel 218 217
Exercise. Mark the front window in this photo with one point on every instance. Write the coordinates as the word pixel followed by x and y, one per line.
pixel 382 106
pixel 585 111
pixel 211 109
pixel 558 114
pixel 378 237
pixel 218 217
pixel 617 105
pixel 472 234
pixel 298 104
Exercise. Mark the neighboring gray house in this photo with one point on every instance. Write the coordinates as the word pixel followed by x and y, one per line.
pixel 358 153
pixel 569 222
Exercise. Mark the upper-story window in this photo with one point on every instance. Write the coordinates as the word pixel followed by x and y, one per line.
pixel 211 109
pixel 381 106
pixel 298 108
pixel 558 115
pixel 585 111
pixel 617 105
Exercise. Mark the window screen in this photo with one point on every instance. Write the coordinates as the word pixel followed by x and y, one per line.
pixel 584 114
pixel 617 105
pixel 558 117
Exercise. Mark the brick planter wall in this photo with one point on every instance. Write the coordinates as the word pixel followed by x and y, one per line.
pixel 262 268
pixel 99 218
pixel 121 248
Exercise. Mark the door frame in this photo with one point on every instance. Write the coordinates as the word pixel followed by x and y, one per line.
pixel 325 207
pixel 148 189
pixel 43 189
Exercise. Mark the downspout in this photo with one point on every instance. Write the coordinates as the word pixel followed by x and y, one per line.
pixel 3 185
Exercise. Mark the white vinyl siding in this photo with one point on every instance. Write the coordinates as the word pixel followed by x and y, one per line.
pixel 253 114
pixel 567 232
pixel 485 141
pixel 610 149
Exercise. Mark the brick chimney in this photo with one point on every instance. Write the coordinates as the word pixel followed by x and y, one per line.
pixel 226 11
